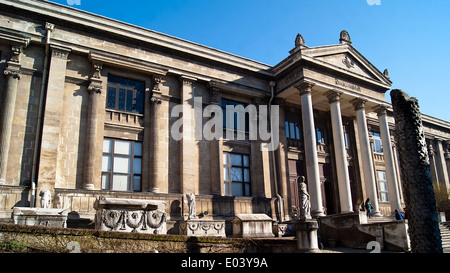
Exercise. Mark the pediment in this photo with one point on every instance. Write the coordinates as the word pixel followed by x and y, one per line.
pixel 348 60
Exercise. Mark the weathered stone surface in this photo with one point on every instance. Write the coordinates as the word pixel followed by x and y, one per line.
pixel 252 225
pixel 40 217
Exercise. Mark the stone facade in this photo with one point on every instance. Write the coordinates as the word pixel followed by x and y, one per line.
pixel 63 104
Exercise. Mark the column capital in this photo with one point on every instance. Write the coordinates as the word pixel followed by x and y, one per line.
pixel 186 80
pixel 12 72
pixel 381 110
pixel 304 87
pixel 333 96
pixel 359 103
pixel 60 52
pixel 215 90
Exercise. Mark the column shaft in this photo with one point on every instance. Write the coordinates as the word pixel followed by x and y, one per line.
pixel 312 162
pixel 366 155
pixel 95 90
pixel 154 142
pixel 9 102
pixel 345 197
pixel 394 195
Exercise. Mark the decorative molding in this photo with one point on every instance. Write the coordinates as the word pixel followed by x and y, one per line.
pixel 187 81
pixel 381 110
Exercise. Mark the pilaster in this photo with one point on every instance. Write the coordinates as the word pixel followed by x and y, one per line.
pixel 48 161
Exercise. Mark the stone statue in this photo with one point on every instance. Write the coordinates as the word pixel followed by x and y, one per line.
pixel 46 199
pixel 191 204
pixel 305 204
pixel 415 175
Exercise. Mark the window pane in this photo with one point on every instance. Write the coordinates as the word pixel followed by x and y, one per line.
pixel 137 164
pixel 292 130
pixel 236 159
pixel 286 127
pixel 227 188
pixel 122 164
pixel 139 103
pixel 121 99
pixel 225 158
pixel 236 189
pixel 246 161
pixel 226 175
pixel 129 104
pixel 247 189
pixel 136 183
pixel 297 131
pixel 138 148
pixel 111 98
pixel 105 181
pixel 122 147
pixel 106 163
pixel 107 145
pixel 121 182
pixel 236 174
pixel 246 175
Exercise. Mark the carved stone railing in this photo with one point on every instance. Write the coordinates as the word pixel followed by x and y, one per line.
pixel 115 117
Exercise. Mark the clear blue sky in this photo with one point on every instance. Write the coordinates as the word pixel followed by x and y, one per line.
pixel 409 37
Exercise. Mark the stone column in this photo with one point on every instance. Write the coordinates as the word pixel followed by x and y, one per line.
pixel 366 155
pixel 12 73
pixel 312 162
pixel 433 169
pixel 441 164
pixel 187 143
pixel 95 90
pixel 155 101
pixel 394 195
pixel 345 197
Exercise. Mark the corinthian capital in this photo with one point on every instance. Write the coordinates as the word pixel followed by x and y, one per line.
pixel 359 104
pixel 333 96
pixel 304 88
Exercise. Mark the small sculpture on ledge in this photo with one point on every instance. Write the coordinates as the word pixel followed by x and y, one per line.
pixel 305 203
pixel 191 204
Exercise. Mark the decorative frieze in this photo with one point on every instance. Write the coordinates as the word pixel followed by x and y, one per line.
pixel 200 227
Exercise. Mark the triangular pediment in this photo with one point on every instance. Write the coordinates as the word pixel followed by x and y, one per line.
pixel 345 58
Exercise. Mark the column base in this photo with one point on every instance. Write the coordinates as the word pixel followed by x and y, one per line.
pixel 89 186
pixel 2 182
pixel 154 190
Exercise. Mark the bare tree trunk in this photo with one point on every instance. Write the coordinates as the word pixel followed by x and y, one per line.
pixel 415 175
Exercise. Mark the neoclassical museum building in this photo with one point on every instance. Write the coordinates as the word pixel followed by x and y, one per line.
pixel 87 110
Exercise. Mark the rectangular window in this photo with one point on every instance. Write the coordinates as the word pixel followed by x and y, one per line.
pixel 292 130
pixel 320 135
pixel 377 145
pixel 121 165
pixel 125 95
pixel 236 172
pixel 226 119
pixel 383 187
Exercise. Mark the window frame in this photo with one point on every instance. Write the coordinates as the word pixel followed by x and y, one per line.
pixel 132 175
pixel 377 142
pixel 227 166
pixel 118 83
pixel 384 194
